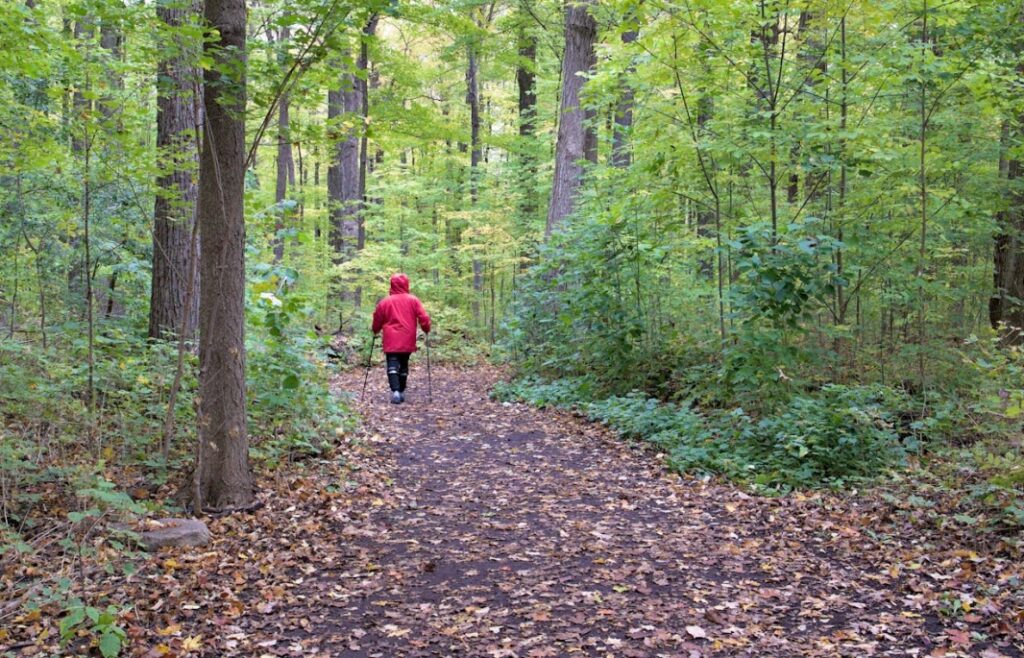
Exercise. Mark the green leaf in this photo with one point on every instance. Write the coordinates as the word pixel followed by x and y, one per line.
pixel 75 617
pixel 110 645
pixel 965 519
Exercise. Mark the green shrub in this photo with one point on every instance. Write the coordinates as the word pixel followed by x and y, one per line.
pixel 842 433
pixel 291 408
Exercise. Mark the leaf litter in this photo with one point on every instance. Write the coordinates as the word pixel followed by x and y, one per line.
pixel 465 527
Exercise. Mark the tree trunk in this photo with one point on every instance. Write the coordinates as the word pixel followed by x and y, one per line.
pixel 473 100
pixel 80 105
pixel 224 476
pixel 573 143
pixel 766 79
pixel 1006 309
pixel 343 172
pixel 112 40
pixel 526 82
pixel 621 155
pixel 707 217
pixel 174 210
pixel 285 162
pixel 475 156
pixel 346 178
pixel 364 107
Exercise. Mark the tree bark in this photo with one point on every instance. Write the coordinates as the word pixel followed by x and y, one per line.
pixel 526 82
pixel 1006 308
pixel 80 105
pixel 343 172
pixel 364 107
pixel 225 479
pixel 285 162
pixel 621 154
pixel 475 156
pixel 174 210
pixel 573 143
pixel 345 175
pixel 473 100
pixel 112 40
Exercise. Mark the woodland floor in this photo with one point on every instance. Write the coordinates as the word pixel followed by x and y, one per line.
pixel 500 530
pixel 465 527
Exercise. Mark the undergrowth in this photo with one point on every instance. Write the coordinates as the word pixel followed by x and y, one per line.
pixel 843 436
pixel 73 482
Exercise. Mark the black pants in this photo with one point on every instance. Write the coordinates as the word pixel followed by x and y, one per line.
pixel 398 370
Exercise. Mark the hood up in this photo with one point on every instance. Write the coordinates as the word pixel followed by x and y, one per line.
pixel 399 284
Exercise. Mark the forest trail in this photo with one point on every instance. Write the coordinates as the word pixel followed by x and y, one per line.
pixel 489 529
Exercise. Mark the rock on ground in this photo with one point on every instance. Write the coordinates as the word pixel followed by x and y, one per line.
pixel 176 532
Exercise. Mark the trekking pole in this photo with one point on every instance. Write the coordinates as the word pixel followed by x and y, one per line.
pixel 430 386
pixel 369 360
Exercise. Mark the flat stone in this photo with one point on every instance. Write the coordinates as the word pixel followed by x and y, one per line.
pixel 175 532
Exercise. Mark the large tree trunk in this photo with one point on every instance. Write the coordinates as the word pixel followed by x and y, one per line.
pixel 174 211
pixel 573 142
pixel 225 479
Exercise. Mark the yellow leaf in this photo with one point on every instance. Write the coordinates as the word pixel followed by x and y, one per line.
pixel 173 629
pixel 31 616
pixel 192 643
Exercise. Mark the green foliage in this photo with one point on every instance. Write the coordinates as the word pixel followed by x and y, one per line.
pixel 841 435
pixel 290 403
pixel 102 624
pixel 783 279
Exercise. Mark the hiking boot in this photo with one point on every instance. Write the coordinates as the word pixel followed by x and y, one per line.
pixel 401 394
pixel 396 397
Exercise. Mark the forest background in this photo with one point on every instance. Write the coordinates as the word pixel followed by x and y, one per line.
pixel 780 239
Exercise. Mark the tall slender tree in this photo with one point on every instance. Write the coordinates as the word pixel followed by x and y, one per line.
pixel 346 175
pixel 526 80
pixel 482 17
pixel 224 477
pixel 285 161
pixel 621 155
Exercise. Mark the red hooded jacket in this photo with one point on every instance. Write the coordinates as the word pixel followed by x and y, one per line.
pixel 397 314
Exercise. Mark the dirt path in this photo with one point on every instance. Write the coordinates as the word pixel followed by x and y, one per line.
pixel 499 530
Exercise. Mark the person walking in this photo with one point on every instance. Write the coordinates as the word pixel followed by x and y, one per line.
pixel 397 316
